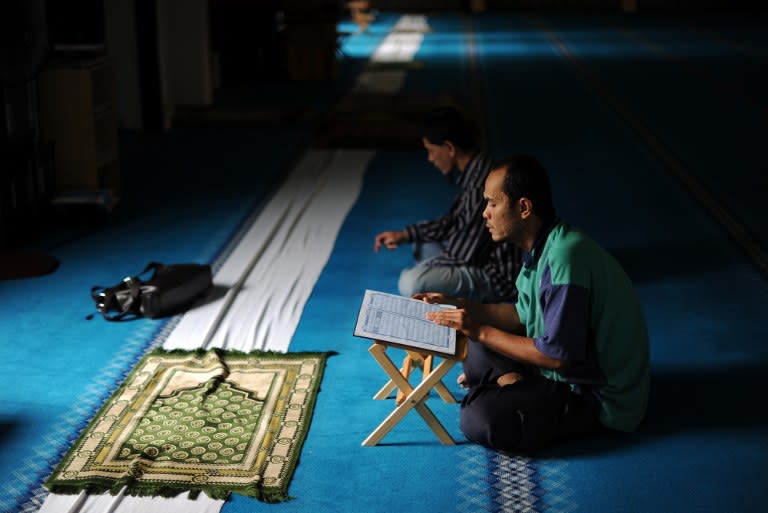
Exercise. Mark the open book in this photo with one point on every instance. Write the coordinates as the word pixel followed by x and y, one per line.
pixel 402 321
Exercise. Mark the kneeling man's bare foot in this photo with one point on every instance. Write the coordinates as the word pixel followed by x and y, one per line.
pixel 462 381
pixel 509 378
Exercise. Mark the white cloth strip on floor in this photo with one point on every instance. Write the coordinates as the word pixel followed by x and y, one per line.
pixel 412 23
pixel 398 47
pixel 56 503
pixel 272 272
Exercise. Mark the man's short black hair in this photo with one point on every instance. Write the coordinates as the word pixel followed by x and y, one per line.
pixel 448 124
pixel 526 177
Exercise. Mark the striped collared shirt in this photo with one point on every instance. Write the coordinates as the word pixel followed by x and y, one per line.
pixel 465 238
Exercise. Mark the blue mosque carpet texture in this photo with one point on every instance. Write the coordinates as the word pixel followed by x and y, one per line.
pixel 615 107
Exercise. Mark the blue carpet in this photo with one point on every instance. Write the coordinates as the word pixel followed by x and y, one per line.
pixel 706 102
pixel 705 441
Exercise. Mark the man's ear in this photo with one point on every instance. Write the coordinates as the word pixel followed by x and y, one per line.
pixel 451 148
pixel 524 207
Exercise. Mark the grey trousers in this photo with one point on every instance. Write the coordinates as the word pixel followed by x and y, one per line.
pixel 457 281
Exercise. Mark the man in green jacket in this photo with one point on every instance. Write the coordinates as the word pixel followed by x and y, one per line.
pixel 571 356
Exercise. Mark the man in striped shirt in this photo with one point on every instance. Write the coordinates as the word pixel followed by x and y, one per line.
pixel 455 254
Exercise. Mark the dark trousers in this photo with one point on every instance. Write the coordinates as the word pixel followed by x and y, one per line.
pixel 522 417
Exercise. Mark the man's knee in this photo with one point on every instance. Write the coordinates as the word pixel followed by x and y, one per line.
pixel 483 365
pixel 409 283
pixel 484 420
pixel 418 279
pixel 486 424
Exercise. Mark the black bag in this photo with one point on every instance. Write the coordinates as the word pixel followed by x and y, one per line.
pixel 171 290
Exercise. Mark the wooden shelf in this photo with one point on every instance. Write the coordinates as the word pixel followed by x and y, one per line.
pixel 78 117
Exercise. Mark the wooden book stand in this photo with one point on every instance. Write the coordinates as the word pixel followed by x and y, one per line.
pixel 409 397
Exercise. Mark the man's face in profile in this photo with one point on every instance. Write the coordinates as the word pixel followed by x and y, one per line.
pixel 440 155
pixel 499 214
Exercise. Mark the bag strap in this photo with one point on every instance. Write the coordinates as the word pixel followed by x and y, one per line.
pixel 101 301
pixel 132 284
pixel 150 266
pixel 132 289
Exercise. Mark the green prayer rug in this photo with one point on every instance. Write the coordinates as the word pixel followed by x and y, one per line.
pixel 215 421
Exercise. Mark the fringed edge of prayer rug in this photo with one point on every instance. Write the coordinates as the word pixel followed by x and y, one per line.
pixel 111 433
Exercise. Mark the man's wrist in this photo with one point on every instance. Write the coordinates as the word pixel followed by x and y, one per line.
pixel 409 234
pixel 481 333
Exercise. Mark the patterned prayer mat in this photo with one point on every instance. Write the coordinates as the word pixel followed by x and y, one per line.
pixel 215 421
